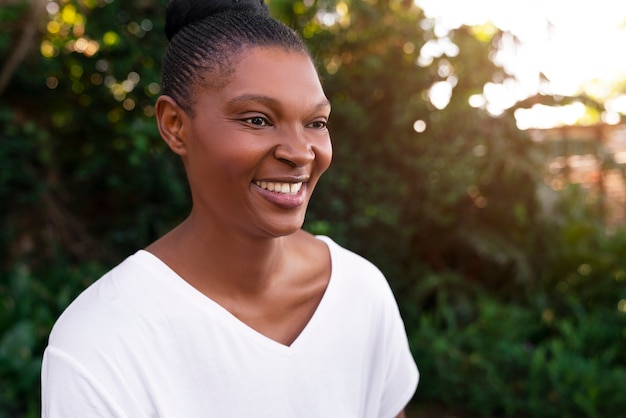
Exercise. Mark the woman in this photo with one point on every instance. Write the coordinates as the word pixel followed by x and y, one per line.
pixel 236 312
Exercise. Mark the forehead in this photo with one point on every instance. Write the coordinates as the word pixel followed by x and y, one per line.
pixel 287 77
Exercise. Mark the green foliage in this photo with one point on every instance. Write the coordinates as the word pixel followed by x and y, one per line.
pixel 9 17
pixel 514 307
pixel 555 349
pixel 517 361
pixel 583 264
pixel 78 133
pixel 21 153
pixel 552 348
pixel 30 302
pixel 462 192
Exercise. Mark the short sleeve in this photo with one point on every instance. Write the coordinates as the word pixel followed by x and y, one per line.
pixel 402 374
pixel 69 391
pixel 392 374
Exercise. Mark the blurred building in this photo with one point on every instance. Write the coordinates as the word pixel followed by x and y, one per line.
pixel 592 156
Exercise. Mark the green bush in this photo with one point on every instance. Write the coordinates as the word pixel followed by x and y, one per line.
pixel 513 309
pixel 30 302
pixel 513 360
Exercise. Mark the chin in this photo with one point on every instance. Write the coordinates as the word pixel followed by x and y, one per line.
pixel 283 229
pixel 284 232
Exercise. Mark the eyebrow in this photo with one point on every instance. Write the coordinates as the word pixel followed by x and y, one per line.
pixel 269 100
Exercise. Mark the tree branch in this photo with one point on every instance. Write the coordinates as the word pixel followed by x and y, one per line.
pixel 22 46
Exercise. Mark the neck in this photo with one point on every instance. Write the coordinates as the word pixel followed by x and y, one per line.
pixel 214 258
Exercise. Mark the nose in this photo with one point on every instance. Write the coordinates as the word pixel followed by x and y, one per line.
pixel 294 148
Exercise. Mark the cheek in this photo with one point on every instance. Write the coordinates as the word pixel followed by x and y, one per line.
pixel 324 155
pixel 220 154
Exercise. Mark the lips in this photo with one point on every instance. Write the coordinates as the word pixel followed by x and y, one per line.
pixel 286 194
pixel 279 187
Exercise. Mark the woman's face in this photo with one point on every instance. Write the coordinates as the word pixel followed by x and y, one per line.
pixel 256 147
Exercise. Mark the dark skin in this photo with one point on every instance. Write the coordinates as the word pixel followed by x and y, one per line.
pixel 242 244
pixel 245 249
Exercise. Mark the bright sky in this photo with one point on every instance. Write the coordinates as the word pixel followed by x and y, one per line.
pixel 580 45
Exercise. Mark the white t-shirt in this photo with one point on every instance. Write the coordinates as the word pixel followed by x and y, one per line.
pixel 142 342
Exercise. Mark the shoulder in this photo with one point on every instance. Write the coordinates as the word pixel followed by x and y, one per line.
pixel 352 271
pixel 116 298
pixel 348 262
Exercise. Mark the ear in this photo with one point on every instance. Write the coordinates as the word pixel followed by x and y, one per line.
pixel 171 120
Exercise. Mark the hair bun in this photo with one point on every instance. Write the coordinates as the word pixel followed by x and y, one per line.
pixel 181 13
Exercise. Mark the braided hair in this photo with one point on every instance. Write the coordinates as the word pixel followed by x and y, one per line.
pixel 206 38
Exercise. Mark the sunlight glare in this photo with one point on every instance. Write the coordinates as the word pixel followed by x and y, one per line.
pixel 477 100
pixel 440 94
pixel 564 47
pixel 543 117
pixel 419 126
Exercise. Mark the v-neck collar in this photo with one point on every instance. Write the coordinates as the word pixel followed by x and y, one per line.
pixel 204 302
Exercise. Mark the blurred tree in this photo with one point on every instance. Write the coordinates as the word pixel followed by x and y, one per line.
pixel 438 192
pixel 420 177
pixel 85 95
pixel 417 169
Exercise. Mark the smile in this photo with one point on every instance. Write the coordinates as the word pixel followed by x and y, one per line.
pixel 285 188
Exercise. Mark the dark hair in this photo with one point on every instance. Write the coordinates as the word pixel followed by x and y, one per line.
pixel 206 37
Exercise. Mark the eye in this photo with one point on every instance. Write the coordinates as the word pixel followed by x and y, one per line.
pixel 318 124
pixel 259 121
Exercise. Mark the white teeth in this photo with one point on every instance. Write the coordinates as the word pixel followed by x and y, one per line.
pixel 286 188
pixel 295 188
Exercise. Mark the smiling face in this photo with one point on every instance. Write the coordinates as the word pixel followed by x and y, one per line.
pixel 255 148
